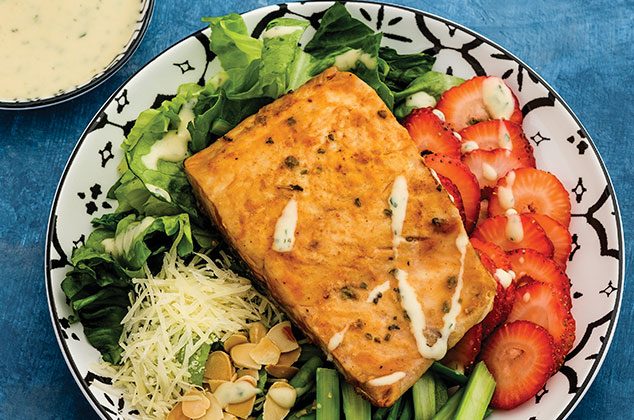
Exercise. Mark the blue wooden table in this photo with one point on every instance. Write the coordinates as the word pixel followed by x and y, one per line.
pixel 583 49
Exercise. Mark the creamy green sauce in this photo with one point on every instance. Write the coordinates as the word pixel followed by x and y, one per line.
pixel 49 47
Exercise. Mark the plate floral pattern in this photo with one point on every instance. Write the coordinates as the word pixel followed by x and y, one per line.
pixel 561 145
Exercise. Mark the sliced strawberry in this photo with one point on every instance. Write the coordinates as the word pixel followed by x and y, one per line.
pixel 530 190
pixel 558 235
pixel 491 165
pixel 530 265
pixel 513 232
pixel 498 134
pixel 497 254
pixel 461 357
pixel 463 179
pixel 481 98
pixel 548 306
pixel 519 355
pixel 498 264
pixel 454 193
pixel 431 134
pixel 502 305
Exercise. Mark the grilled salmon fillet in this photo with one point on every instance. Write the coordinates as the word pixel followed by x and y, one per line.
pixel 324 196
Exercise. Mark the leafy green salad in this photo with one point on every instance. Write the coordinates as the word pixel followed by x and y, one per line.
pixel 157 210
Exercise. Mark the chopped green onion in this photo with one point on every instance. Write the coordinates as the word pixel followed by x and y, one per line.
pixel 477 394
pixel 424 397
pixel 452 376
pixel 354 406
pixel 328 394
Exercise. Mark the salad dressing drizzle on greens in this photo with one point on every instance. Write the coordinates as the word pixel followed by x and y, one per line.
pixel 157 210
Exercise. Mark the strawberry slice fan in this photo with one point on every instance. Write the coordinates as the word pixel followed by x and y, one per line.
pixel 474 141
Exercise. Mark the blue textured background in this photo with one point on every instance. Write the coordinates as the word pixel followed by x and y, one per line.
pixel 584 49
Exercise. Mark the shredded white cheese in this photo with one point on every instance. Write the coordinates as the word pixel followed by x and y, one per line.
pixel 177 311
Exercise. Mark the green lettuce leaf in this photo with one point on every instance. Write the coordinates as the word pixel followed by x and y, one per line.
pixel 404 68
pixel 154 151
pixel 433 83
pixel 275 69
pixel 231 42
pixel 352 46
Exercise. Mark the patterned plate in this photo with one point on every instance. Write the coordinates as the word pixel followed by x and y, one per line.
pixel 145 14
pixel 561 144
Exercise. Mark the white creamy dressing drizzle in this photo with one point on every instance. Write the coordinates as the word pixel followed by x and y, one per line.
pixel 498 99
pixel 348 60
pixel 159 191
pixel 173 146
pixel 469 146
pixel 415 312
pixel 458 136
pixel 234 392
pixel 488 172
pixel 398 205
pixel 121 242
pixel 381 288
pixel 514 229
pixel 280 31
pixel 284 236
pixel 387 379
pixel 505 193
pixel 504 277
pixel 420 100
pixel 439 114
pixel 504 137
pixel 337 338
pixel 52 46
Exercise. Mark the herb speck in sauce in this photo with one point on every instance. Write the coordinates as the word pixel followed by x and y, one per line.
pixel 388 212
pixel 291 161
pixel 321 151
pixel 291 121
pixel 382 113
pixel 368 336
pixel 270 140
pixel 446 307
pixel 357 202
pixel 331 137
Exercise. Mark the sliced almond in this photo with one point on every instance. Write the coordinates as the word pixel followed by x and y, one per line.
pixel 177 413
pixel 243 409
pixel 265 352
pixel 214 412
pixel 195 404
pixel 235 340
pixel 283 394
pixel 241 357
pixel 279 371
pixel 214 384
pixel 249 372
pixel 218 366
pixel 282 335
pixel 290 357
pixel 257 332
pixel 249 379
